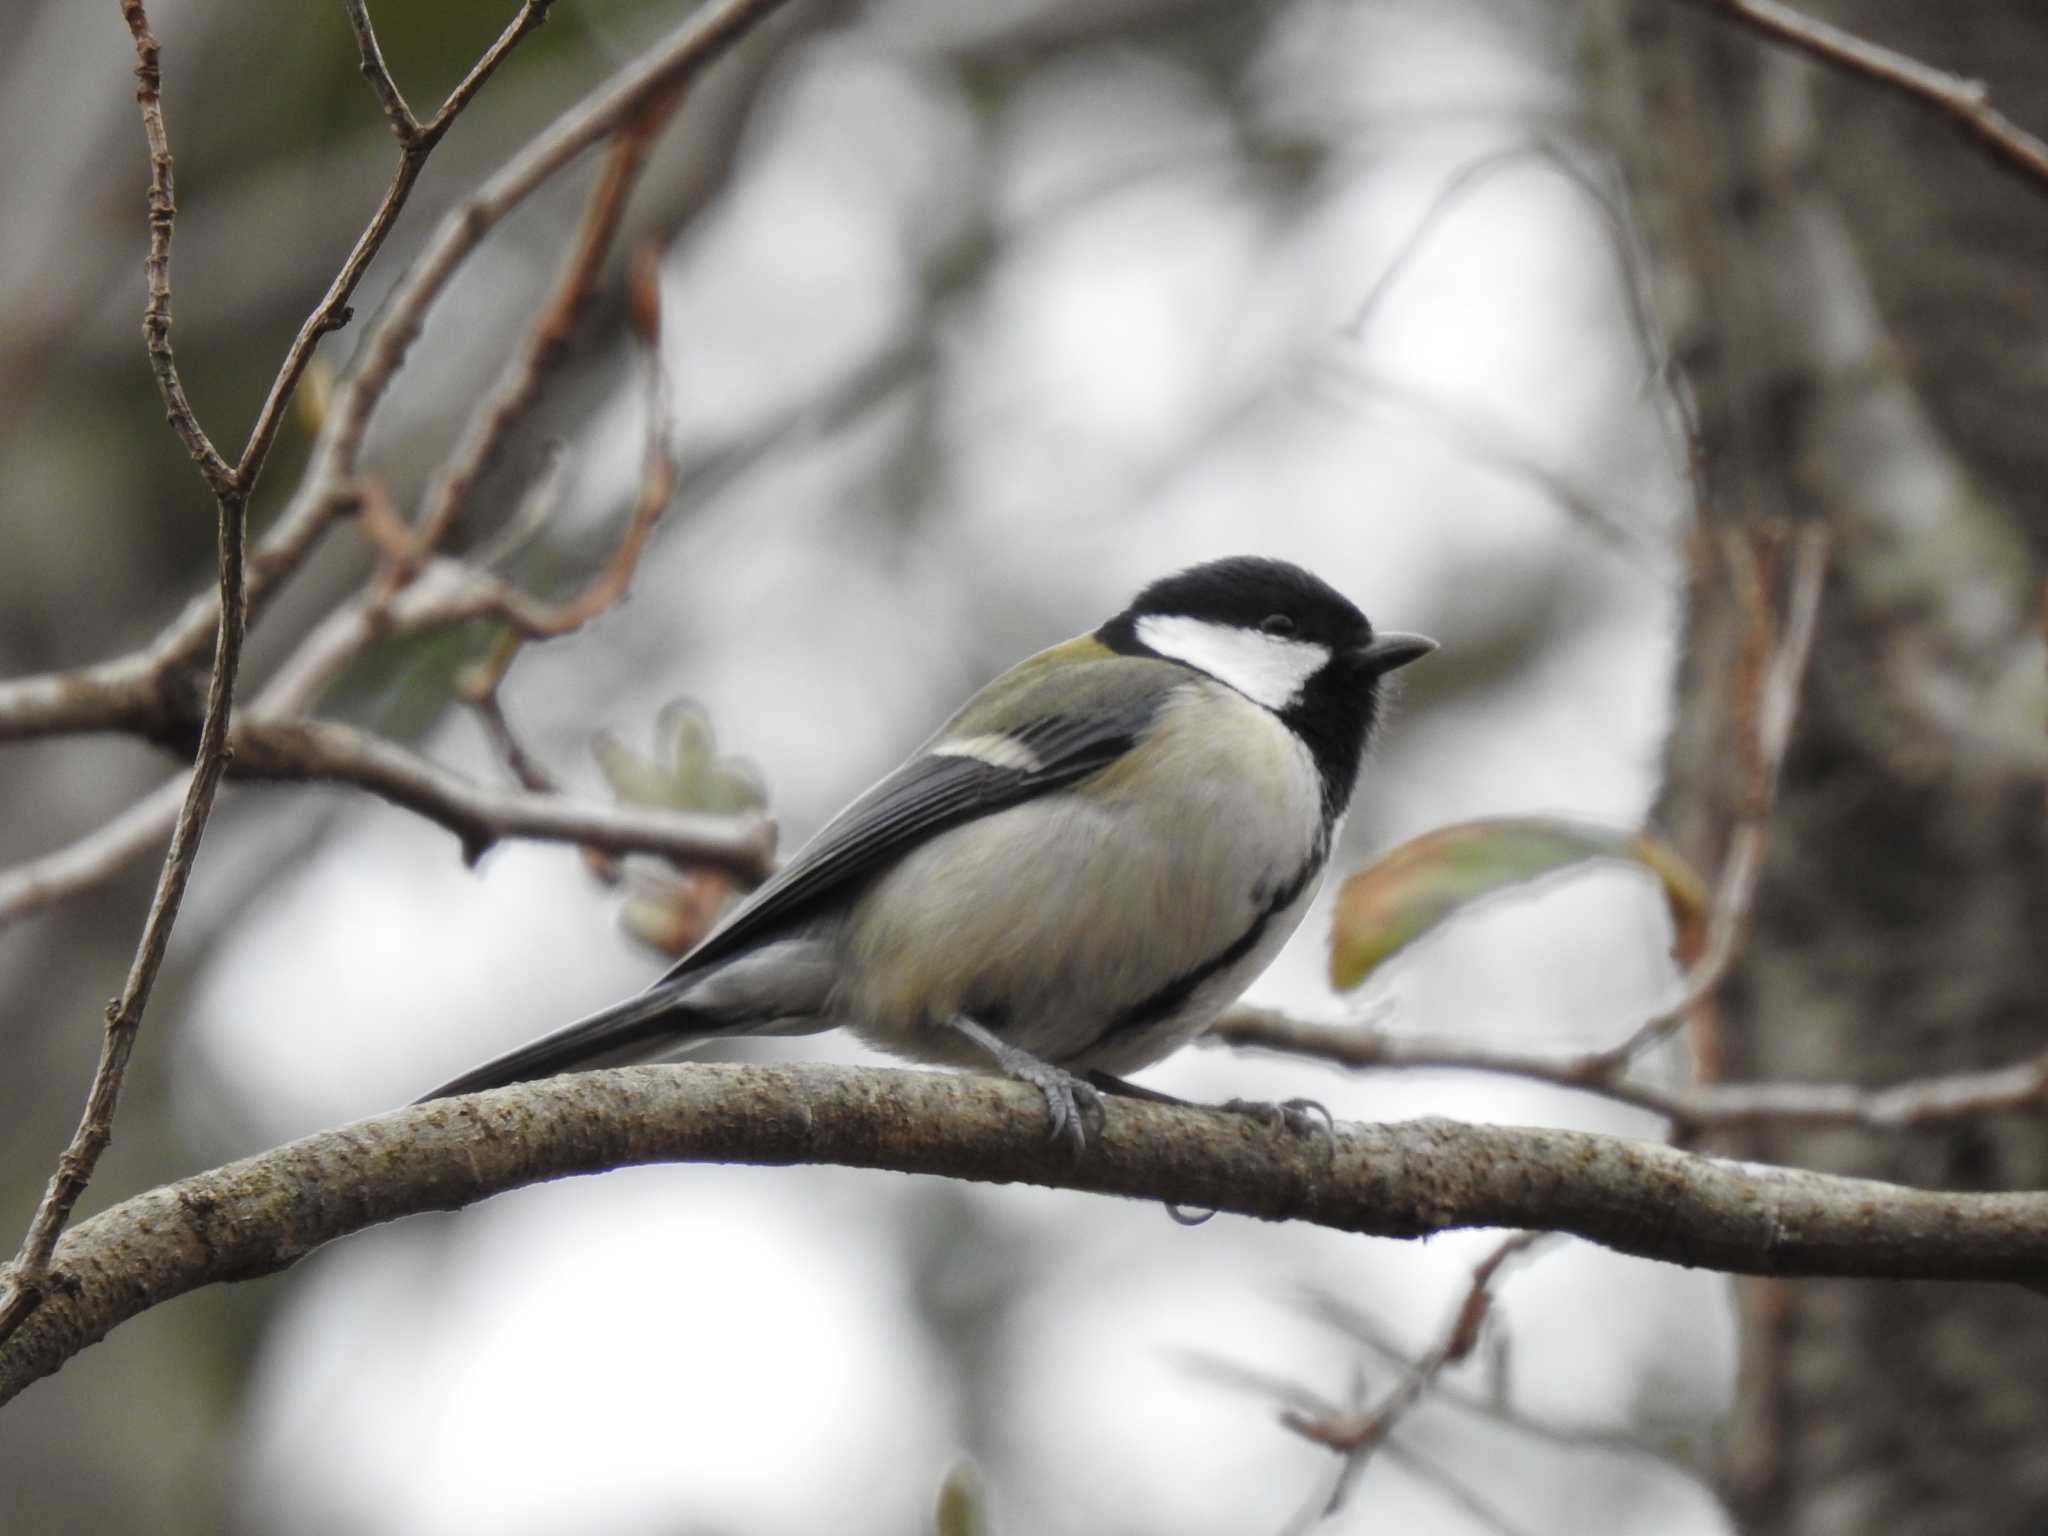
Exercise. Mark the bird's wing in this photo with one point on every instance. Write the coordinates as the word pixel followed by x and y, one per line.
pixel 1105 705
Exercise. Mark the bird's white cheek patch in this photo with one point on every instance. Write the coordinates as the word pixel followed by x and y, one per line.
pixel 1267 669
pixel 995 750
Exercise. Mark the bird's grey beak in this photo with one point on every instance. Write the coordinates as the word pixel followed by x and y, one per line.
pixel 1385 653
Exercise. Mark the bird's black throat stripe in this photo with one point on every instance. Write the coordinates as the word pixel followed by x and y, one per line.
pixel 1162 1004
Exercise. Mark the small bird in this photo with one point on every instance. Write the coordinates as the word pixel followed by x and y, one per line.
pixel 1084 867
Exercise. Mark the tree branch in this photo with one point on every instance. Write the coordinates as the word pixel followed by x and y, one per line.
pixel 404 126
pixel 1356 1435
pixel 29 1274
pixel 267 1212
pixel 519 385
pixel 667 69
pixel 163 212
pixel 287 751
pixel 1965 103
pixel 86 698
pixel 274 742
pixel 2023 1085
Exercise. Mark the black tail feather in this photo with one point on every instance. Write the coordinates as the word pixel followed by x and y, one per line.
pixel 640 1028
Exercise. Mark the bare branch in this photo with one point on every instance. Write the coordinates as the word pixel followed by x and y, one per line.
pixel 1407 1180
pixel 272 741
pixel 1358 1435
pixel 547 340
pixel 1368 1331
pixel 404 126
pixel 295 751
pixel 531 14
pixel 163 210
pixel 95 697
pixel 149 676
pixel 150 692
pixel 29 1273
pixel 1922 1101
pixel 667 69
pixel 323 750
pixel 479 690
pixel 1965 103
pixel 1781 670
pixel 416 141
pixel 99 855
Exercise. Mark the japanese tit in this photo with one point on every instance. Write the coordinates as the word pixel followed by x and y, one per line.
pixel 1075 876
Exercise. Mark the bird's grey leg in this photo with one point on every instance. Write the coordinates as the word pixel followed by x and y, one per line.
pixel 1068 1099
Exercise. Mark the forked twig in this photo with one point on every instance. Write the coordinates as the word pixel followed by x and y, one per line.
pixel 29 1273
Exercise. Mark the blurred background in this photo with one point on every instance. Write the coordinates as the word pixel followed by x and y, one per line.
pixel 977 317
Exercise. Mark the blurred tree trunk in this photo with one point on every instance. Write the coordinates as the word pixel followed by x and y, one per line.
pixel 1857 301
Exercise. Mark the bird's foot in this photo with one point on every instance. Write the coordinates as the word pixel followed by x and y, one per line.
pixel 1303 1117
pixel 1069 1100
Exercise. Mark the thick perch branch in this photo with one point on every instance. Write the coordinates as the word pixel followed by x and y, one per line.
pixel 1408 1180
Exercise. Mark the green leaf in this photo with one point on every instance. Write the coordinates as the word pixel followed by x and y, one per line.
pixel 1387 906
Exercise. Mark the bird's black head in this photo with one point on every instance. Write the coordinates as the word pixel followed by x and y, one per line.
pixel 1284 639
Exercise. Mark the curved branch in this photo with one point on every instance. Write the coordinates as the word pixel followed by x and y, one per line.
pixel 324 750
pixel 267 1212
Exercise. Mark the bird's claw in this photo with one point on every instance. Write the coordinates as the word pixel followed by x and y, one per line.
pixel 1069 1100
pixel 1302 1117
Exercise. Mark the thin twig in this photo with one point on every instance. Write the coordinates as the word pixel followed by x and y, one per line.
pixel 480 685
pixel 1357 1435
pixel 1368 1331
pixel 404 126
pixel 547 340
pixel 1491 443
pixel 1468 178
pixel 163 210
pixel 1965 103
pixel 29 1273
pixel 99 855
pixel 416 142
pixel 2020 1086
pixel 531 15
pixel 669 67
pixel 68 701
pixel 144 691
pixel 330 314
pixel 1768 735
pixel 525 768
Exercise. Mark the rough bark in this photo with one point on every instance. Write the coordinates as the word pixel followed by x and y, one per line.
pixel 1419 1177
pixel 1856 303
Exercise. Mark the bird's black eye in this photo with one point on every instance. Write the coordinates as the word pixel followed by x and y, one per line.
pixel 1276 624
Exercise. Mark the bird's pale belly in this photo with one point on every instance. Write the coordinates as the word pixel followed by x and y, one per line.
pixel 1094 930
